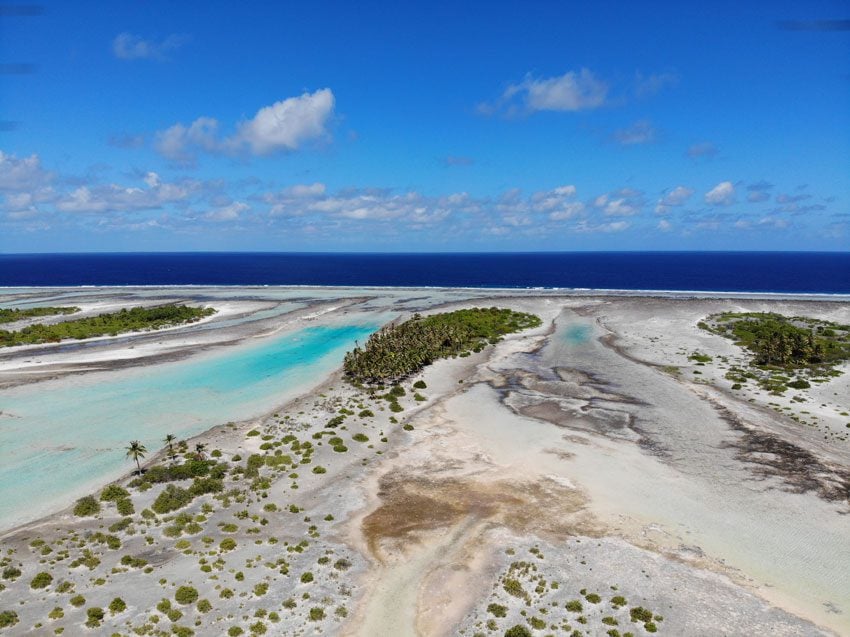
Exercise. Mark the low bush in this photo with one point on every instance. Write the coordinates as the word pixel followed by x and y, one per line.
pixel 420 384
pixel 171 499
pixel 517 631
pixel 8 618
pixel 125 507
pixel 41 580
pixel 95 616
pixel 117 605
pixel 317 613
pixel 87 506
pixel 186 595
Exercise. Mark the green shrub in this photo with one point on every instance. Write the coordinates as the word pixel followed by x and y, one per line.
pixel 261 589
pixel 87 506
pixel 204 606
pixel 95 616
pixel 117 605
pixel 513 587
pixel 640 614
pixel 77 601
pixel 340 448
pixel 8 618
pixel 113 493
pixel 593 598
pixel 395 407
pixel 517 631
pixel 125 506
pixel 420 384
pixel 366 413
pixel 574 606
pixel 227 544
pixel 317 613
pixel 41 580
pixel 319 469
pixel 11 572
pixel 306 577
pixel 258 628
pixel 235 631
pixel 56 613
pixel 497 610
pixel 799 384
pixel 171 499
pixel 360 437
pixel 186 595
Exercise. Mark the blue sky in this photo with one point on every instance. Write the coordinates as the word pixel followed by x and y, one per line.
pixel 425 126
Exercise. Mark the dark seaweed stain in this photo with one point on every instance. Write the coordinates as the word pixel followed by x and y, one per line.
pixel 772 457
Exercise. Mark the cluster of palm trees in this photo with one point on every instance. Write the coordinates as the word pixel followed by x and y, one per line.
pixel 137 451
pixel 396 351
pixel 786 347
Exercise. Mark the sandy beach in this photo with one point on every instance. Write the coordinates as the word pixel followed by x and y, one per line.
pixel 579 478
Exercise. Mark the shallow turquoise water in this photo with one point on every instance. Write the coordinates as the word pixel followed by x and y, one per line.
pixel 577 333
pixel 63 438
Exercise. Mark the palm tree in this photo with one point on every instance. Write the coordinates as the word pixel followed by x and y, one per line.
pixel 170 439
pixel 136 450
pixel 200 448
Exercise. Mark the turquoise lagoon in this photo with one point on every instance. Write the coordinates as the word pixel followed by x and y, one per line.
pixel 62 439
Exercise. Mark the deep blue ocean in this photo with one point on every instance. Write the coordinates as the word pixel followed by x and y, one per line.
pixel 805 272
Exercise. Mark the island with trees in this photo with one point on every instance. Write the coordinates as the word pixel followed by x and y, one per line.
pixel 106 324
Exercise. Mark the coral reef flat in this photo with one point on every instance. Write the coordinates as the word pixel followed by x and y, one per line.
pixel 613 471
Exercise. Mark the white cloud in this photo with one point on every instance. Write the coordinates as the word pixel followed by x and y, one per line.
pixel 675 197
pixel 573 91
pixel 227 213
pixel 127 46
pixel 284 126
pixel 178 142
pixel 116 198
pixel 722 194
pixel 287 124
pixel 21 174
pixel 620 203
pixel 611 226
pixel 641 132
pixel 664 225
pixel 558 203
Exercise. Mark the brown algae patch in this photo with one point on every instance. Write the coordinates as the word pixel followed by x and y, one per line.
pixel 412 506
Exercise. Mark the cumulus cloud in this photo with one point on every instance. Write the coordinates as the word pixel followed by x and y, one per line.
pixel 127 46
pixel 702 150
pixel 624 202
pixel 723 194
pixel 641 132
pixel 284 126
pixel 21 174
pixel 678 196
pixel 573 91
pixel 117 198
pixel 229 212
pixel 664 225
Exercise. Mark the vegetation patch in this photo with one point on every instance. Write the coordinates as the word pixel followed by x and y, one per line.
pixel 10 315
pixel 112 323
pixel 397 351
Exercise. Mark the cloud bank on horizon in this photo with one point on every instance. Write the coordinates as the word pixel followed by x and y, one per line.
pixel 363 133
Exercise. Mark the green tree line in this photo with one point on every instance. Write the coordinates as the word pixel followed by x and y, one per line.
pixel 111 323
pixel 11 314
